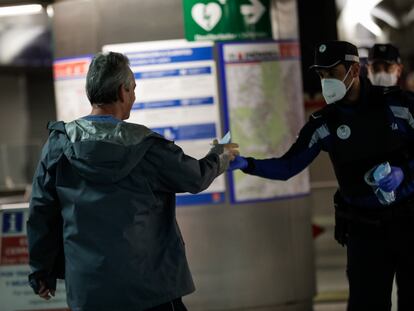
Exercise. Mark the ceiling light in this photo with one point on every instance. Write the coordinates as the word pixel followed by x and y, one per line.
pixel 20 10
pixel 409 17
pixel 386 16
pixel 50 11
pixel 359 12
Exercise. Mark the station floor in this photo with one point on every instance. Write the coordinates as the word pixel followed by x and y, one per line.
pixel 330 260
pixel 337 306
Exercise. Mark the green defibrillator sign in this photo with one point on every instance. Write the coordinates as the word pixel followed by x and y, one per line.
pixel 227 19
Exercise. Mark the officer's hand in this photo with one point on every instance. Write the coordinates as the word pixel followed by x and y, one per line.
pixel 392 180
pixel 238 163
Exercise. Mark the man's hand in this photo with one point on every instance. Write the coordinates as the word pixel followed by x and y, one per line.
pixel 392 180
pixel 45 292
pixel 238 163
pixel 231 149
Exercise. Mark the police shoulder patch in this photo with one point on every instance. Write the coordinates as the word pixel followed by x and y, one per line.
pixel 343 131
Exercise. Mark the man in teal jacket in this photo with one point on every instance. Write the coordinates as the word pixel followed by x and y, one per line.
pixel 102 212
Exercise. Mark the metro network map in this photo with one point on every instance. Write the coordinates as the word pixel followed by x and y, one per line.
pixel 264 112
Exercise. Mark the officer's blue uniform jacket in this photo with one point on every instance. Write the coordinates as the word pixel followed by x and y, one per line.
pixel 379 128
pixel 104 196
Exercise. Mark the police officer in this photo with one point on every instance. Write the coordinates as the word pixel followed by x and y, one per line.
pixel 361 127
pixel 384 65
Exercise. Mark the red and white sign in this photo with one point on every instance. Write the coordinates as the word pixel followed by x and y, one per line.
pixel 14 251
pixel 68 69
pixel 70 81
pixel 15 292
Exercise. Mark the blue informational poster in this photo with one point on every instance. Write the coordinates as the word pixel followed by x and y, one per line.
pixel 176 96
pixel 263 109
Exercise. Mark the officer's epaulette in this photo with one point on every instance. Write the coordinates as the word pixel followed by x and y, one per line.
pixel 322 113
pixel 316 115
pixel 395 96
pixel 391 90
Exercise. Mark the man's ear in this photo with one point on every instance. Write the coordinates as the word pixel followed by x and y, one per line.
pixel 122 92
pixel 355 70
pixel 400 68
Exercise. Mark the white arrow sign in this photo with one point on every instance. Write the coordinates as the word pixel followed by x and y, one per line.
pixel 253 12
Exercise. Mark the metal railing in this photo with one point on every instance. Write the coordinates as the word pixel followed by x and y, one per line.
pixel 17 165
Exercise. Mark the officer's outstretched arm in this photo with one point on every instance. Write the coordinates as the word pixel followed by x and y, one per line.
pixel 307 146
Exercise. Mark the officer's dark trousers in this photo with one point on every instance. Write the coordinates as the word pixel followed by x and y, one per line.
pixel 377 252
pixel 175 305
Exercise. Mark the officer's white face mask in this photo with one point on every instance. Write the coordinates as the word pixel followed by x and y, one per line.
pixel 383 78
pixel 334 90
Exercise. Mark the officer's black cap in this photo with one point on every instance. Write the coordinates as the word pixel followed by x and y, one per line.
pixel 332 53
pixel 384 53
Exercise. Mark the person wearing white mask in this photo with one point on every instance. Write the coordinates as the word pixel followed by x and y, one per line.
pixel 384 65
pixel 361 127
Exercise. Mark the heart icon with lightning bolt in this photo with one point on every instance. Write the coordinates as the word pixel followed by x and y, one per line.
pixel 206 15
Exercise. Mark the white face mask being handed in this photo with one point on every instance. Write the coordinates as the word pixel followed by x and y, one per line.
pixel 334 90
pixel 383 78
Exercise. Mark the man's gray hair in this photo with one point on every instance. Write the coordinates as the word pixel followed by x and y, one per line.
pixel 107 72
